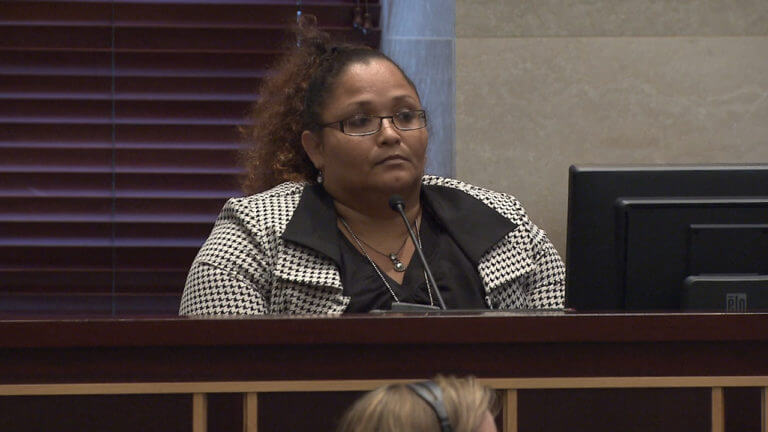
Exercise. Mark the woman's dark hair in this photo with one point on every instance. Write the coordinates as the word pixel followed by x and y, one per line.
pixel 290 101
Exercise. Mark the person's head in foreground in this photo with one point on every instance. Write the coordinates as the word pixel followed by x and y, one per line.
pixel 445 404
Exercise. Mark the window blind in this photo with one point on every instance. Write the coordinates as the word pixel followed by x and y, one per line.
pixel 118 140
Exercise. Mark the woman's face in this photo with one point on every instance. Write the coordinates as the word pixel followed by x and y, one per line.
pixel 389 161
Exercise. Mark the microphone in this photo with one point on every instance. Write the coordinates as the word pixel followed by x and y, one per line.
pixel 397 204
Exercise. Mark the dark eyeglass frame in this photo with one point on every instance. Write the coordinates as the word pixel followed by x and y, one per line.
pixel 340 123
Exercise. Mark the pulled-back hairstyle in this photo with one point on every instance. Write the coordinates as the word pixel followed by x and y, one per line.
pixel 396 408
pixel 290 101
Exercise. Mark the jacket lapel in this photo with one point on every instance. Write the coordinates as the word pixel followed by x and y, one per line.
pixel 489 239
pixel 309 254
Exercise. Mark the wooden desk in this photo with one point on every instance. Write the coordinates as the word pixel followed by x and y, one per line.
pixel 508 351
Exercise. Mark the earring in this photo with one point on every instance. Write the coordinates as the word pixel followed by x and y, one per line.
pixel 320 177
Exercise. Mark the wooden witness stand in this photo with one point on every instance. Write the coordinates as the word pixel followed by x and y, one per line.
pixel 507 351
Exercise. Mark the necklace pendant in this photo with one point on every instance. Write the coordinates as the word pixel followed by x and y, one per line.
pixel 399 266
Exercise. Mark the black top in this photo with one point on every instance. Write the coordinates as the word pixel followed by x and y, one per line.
pixel 457 230
pixel 460 285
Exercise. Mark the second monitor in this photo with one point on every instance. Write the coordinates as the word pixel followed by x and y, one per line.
pixel 635 233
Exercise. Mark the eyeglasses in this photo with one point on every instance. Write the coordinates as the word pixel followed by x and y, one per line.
pixel 362 125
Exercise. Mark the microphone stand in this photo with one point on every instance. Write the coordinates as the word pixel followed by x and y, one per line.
pixel 397 204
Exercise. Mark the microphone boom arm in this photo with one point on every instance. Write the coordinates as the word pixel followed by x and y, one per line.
pixel 397 204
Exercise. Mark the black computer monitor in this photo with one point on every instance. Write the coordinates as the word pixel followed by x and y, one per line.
pixel 636 234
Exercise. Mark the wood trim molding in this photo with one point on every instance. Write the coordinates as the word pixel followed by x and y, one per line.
pixel 365 385
pixel 199 412
pixel 250 412
pixel 764 409
pixel 509 411
pixel 718 410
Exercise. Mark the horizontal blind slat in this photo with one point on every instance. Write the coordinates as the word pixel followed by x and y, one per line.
pixel 157 14
pixel 83 209
pixel 125 111
pixel 59 37
pixel 135 64
pixel 128 185
pixel 55 88
pixel 220 40
pixel 127 134
pixel 177 258
pixel 92 280
pixel 88 305
pixel 336 14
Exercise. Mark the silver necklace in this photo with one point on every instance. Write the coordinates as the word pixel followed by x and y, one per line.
pixel 394 257
pixel 375 267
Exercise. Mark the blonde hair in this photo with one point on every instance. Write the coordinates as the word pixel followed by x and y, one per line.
pixel 396 408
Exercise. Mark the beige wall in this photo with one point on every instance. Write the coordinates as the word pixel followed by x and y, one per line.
pixel 543 84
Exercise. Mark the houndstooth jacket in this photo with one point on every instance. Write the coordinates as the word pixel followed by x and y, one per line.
pixel 255 262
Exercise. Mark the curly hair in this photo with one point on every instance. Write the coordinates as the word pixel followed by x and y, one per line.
pixel 290 101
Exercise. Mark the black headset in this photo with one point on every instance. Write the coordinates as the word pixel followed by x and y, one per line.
pixel 433 396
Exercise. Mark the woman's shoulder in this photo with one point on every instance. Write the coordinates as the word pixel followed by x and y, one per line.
pixel 502 202
pixel 272 206
pixel 280 194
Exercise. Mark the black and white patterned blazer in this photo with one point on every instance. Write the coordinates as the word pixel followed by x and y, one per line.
pixel 247 267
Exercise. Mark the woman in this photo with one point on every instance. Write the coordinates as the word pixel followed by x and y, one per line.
pixel 458 405
pixel 337 131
